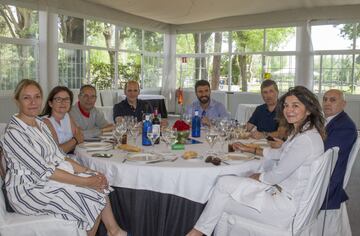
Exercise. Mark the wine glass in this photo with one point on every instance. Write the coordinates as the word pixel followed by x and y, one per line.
pixel 134 130
pixel 211 137
pixel 169 136
pixel 152 135
pixel 119 131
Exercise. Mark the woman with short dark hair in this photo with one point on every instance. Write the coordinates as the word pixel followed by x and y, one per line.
pixel 56 117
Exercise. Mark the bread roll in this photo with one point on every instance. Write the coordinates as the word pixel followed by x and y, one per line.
pixel 129 148
pixel 190 154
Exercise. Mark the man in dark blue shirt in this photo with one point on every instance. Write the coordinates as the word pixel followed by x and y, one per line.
pixel 131 105
pixel 264 115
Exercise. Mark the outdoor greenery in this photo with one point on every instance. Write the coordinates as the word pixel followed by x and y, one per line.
pixel 140 55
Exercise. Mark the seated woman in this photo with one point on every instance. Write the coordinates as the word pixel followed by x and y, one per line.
pixel 40 180
pixel 63 128
pixel 271 197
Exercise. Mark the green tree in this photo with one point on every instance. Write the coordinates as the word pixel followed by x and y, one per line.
pixel 253 41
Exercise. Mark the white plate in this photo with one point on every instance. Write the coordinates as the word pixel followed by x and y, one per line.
pixel 96 146
pixel 239 156
pixel 198 158
pixel 143 157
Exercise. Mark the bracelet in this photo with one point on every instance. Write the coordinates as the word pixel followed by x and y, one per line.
pixel 76 141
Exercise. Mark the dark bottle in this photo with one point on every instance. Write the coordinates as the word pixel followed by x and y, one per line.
pixel 156 126
pixel 196 125
pixel 146 125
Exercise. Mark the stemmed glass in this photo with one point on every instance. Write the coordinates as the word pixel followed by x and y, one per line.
pixel 169 136
pixel 134 131
pixel 119 131
pixel 152 136
pixel 211 137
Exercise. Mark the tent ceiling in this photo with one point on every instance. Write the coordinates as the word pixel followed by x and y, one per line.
pixel 191 11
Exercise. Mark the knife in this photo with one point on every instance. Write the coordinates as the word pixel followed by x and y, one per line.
pixel 157 161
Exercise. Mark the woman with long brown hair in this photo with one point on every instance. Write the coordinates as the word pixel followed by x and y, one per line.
pixel 272 196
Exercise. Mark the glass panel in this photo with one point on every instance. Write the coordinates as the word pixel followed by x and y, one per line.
pixel 281 39
pixel 246 73
pixel 331 37
pixel 216 42
pixel 185 44
pixel 356 82
pixel 185 68
pixel 282 70
pixel 129 68
pixel 153 72
pixel 130 39
pixel 72 65
pixel 17 22
pixel 100 34
pixel 70 29
pixel 333 71
pixel 154 41
pixel 101 68
pixel 216 71
pixel 248 40
pixel 17 62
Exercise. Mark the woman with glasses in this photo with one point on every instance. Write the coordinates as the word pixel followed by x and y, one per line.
pixel 56 117
pixel 41 180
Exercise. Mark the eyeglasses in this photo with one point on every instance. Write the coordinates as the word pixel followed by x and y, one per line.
pixel 60 100
pixel 86 96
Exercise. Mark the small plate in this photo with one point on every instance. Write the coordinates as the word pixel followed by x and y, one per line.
pixel 143 157
pixel 238 156
pixel 198 158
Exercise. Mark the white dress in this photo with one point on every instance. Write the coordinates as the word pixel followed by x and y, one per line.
pixel 32 156
pixel 287 167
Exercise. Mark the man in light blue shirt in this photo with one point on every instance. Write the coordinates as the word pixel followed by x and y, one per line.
pixel 208 108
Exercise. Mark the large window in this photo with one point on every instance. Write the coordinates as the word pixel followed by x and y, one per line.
pixel 336 57
pixel 106 55
pixel 19 46
pixel 237 60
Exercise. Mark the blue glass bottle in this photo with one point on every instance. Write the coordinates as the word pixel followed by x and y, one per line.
pixel 147 123
pixel 196 125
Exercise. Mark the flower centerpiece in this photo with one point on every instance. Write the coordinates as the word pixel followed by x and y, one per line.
pixel 183 131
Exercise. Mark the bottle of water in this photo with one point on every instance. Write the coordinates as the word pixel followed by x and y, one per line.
pixel 146 125
pixel 196 125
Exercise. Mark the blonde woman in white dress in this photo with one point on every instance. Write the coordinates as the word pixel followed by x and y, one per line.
pixel 40 180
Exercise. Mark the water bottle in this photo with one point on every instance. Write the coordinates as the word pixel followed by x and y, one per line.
pixel 195 125
pixel 146 125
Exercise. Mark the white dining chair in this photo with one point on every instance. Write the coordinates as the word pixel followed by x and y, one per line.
pixel 337 220
pixel 232 224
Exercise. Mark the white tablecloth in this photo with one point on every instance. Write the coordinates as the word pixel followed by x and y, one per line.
pixel 244 112
pixel 191 179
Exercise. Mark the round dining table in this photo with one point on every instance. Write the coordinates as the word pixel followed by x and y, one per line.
pixel 165 196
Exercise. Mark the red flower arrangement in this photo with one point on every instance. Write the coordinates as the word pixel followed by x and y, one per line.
pixel 181 125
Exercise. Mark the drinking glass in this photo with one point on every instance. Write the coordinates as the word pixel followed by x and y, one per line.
pixel 119 131
pixel 134 130
pixel 152 136
pixel 169 136
pixel 211 137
